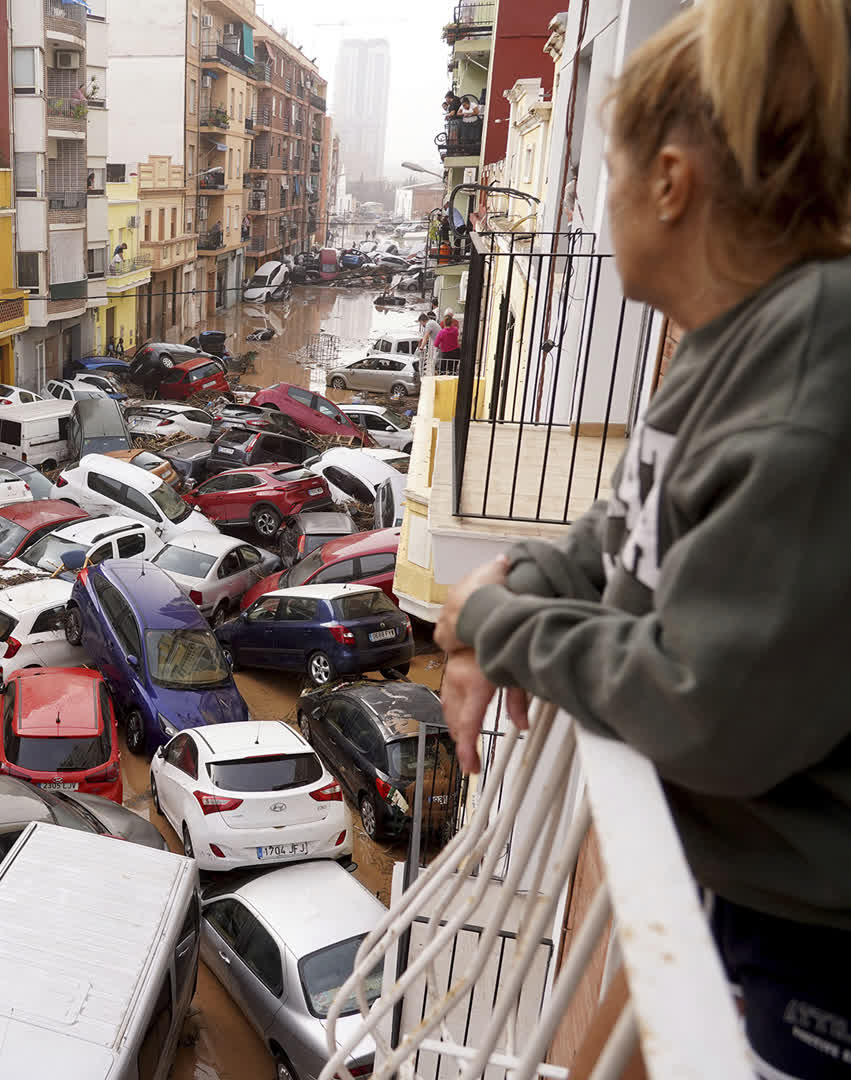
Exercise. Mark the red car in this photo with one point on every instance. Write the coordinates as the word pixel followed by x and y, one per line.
pixel 367 558
pixel 21 524
pixel 59 732
pixel 260 496
pixel 200 375
pixel 311 411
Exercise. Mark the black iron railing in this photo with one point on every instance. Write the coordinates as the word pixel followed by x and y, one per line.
pixel 263 72
pixel 470 19
pixel 263 116
pixel 259 161
pixel 552 354
pixel 460 138
pixel 225 51
pixel 317 102
pixel 66 200
pixel 210 241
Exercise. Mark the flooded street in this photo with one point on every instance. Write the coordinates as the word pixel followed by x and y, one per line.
pixel 219 1044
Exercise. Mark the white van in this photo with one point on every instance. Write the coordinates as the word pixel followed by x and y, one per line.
pixel 98 956
pixel 267 280
pixel 36 433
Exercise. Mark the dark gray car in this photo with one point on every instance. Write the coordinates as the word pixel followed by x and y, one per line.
pixel 305 532
pixel 97 426
pixel 189 460
pixel 21 803
pixel 243 446
pixel 254 418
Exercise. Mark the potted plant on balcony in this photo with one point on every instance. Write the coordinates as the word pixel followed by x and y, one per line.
pixel 220 117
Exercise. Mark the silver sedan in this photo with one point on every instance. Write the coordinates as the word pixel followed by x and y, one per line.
pixel 282 944
pixel 214 570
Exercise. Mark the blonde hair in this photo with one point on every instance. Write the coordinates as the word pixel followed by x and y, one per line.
pixel 763 88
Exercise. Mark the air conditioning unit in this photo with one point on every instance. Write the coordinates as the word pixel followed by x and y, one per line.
pixel 206 82
pixel 206 21
pixel 133 222
pixel 231 29
pixel 67 59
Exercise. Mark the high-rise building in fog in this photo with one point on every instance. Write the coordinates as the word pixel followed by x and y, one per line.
pixel 361 99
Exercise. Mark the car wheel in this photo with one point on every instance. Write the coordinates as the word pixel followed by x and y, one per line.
pixel 73 625
pixel 337 383
pixel 407 449
pixel 219 615
pixel 228 654
pixel 155 795
pixel 304 725
pixel 283 1069
pixel 166 361
pixel 398 392
pixel 135 732
pixel 320 670
pixel 395 672
pixel 368 816
pixel 265 520
pixel 188 849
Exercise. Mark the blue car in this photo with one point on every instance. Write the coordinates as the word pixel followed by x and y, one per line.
pixel 322 630
pixel 96 365
pixel 160 660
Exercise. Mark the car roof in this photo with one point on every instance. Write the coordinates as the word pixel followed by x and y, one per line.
pixel 396 704
pixel 19 802
pixel 383 453
pixel 311 521
pixel 268 267
pixel 208 543
pixel 35 594
pixel 250 738
pixel 34 515
pixel 102 415
pixel 58 702
pixel 98 528
pixel 131 474
pixel 397 335
pixel 153 592
pixel 351 406
pixel 332 591
pixel 190 365
pixel 312 905
pixel 188 448
pixel 362 543
pixel 165 406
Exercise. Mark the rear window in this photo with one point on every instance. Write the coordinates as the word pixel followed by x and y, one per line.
pixel 235 437
pixel 10 432
pixel 7 625
pixel 324 972
pixel 56 754
pixel 402 756
pixel 183 561
pixel 304 569
pixel 267 773
pixel 361 605
pixel 400 463
pixel 173 375
pixel 294 474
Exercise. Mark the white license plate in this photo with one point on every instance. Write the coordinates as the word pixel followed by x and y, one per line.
pixel 314 491
pixel 274 851
pixel 57 786
pixel 226 450
pixel 382 635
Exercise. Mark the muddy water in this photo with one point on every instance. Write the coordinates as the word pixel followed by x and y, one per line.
pixel 218 1042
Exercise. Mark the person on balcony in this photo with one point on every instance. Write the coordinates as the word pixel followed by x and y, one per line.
pixel 471 121
pixel 446 343
pixel 701 614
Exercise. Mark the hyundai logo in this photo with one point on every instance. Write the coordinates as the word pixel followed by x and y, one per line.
pixel 277 807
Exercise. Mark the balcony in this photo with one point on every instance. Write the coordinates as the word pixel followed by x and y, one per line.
pixel 211 241
pixel 461 138
pixel 259 162
pixel 257 202
pixel 166 254
pixel 315 165
pixel 263 118
pixel 212 180
pixel 298 127
pixel 66 207
pixel 470 19
pixel 249 123
pixel 263 73
pixel 300 90
pixel 216 116
pixel 285 122
pixel 129 266
pixel 219 49
pixel 288 85
pixel 62 18
pixel 65 114
pixel 317 102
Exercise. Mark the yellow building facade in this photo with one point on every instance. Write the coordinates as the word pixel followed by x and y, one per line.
pixel 127 273
pixel 14 302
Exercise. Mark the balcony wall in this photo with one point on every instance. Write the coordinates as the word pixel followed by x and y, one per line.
pixel 65 19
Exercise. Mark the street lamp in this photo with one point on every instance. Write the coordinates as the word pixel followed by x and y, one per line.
pixel 413 167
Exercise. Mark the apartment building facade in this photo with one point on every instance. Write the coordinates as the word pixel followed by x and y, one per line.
pixel 127 272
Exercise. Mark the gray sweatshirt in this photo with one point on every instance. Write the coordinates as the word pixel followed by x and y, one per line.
pixel 704 615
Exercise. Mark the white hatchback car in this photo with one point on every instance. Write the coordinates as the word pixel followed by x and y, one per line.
pixel 32 627
pixel 214 571
pixel 357 474
pixel 386 426
pixel 250 793
pixel 16 395
pixel 108 537
pixel 66 390
pixel 165 420
pixel 105 485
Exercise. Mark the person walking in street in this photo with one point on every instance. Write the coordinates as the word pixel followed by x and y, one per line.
pixel 446 343
pixel 701 615
pixel 119 349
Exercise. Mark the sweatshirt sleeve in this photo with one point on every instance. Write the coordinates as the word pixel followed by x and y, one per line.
pixel 739 676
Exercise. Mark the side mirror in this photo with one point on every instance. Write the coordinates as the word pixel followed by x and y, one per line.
pixel 75 559
pixel 132 660
pixel 161 751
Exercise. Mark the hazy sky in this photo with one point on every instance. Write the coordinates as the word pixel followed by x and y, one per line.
pixel 418 59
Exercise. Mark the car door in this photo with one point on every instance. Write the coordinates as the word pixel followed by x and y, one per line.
pixel 101 493
pixel 196 422
pixel 231 578
pixel 362 744
pixel 384 433
pixel 379 570
pixel 47 637
pixel 358 375
pixel 241 496
pixel 296 633
pixel 328 739
pixel 257 972
pixel 210 497
pixel 252 638
pixel 178 771
pixel 221 924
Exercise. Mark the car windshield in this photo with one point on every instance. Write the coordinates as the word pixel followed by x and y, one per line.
pixel 257 280
pixel 11 535
pixel 189 659
pixel 402 756
pixel 47 553
pixel 104 444
pixel 325 971
pixel 399 463
pixel 171 504
pixel 304 569
pixel 183 561
pixel 269 772
pixel 397 419
pixel 55 754
pixel 84 395
pixel 360 605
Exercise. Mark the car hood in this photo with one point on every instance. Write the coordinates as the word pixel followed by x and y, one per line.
pixel 258 292
pixel 186 708
pixel 196 520
pixel 120 821
pixel 267 584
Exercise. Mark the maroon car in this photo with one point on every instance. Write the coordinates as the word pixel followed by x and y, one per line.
pixel 260 496
pixel 21 524
pixel 311 411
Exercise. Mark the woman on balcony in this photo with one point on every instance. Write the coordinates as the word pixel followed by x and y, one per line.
pixel 702 614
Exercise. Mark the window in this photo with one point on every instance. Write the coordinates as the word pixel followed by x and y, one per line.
pixel 96 181
pixel 383 563
pixel 325 408
pixel 99 554
pixel 300 609
pixel 227 219
pixel 115 174
pixel 230 565
pixel 67 257
pixel 230 173
pixel 361 732
pixel 27 273
pixel 161 224
pixel 376 423
pixel 341 571
pixel 238 162
pixel 126 629
pixel 265 610
pixel 193 93
pixel 403 347
pixel 249 557
pixel 190 160
pixel 189 219
pixel 26 68
pixel 182 753
pixel 261 955
pixel 128 546
pixel 232 101
pixel 274 105
pixel 49 621
pixel 155 1041
pixel 147 224
pixel 173 222
pixel 105 485
pixel 193 29
pixel 227 918
pixel 26 175
pixel 303 397
pixel 240 104
pixel 96 262
pixel 349 485
pixel 187 946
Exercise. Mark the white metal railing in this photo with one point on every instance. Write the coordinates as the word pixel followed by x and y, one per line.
pixel 679 1010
